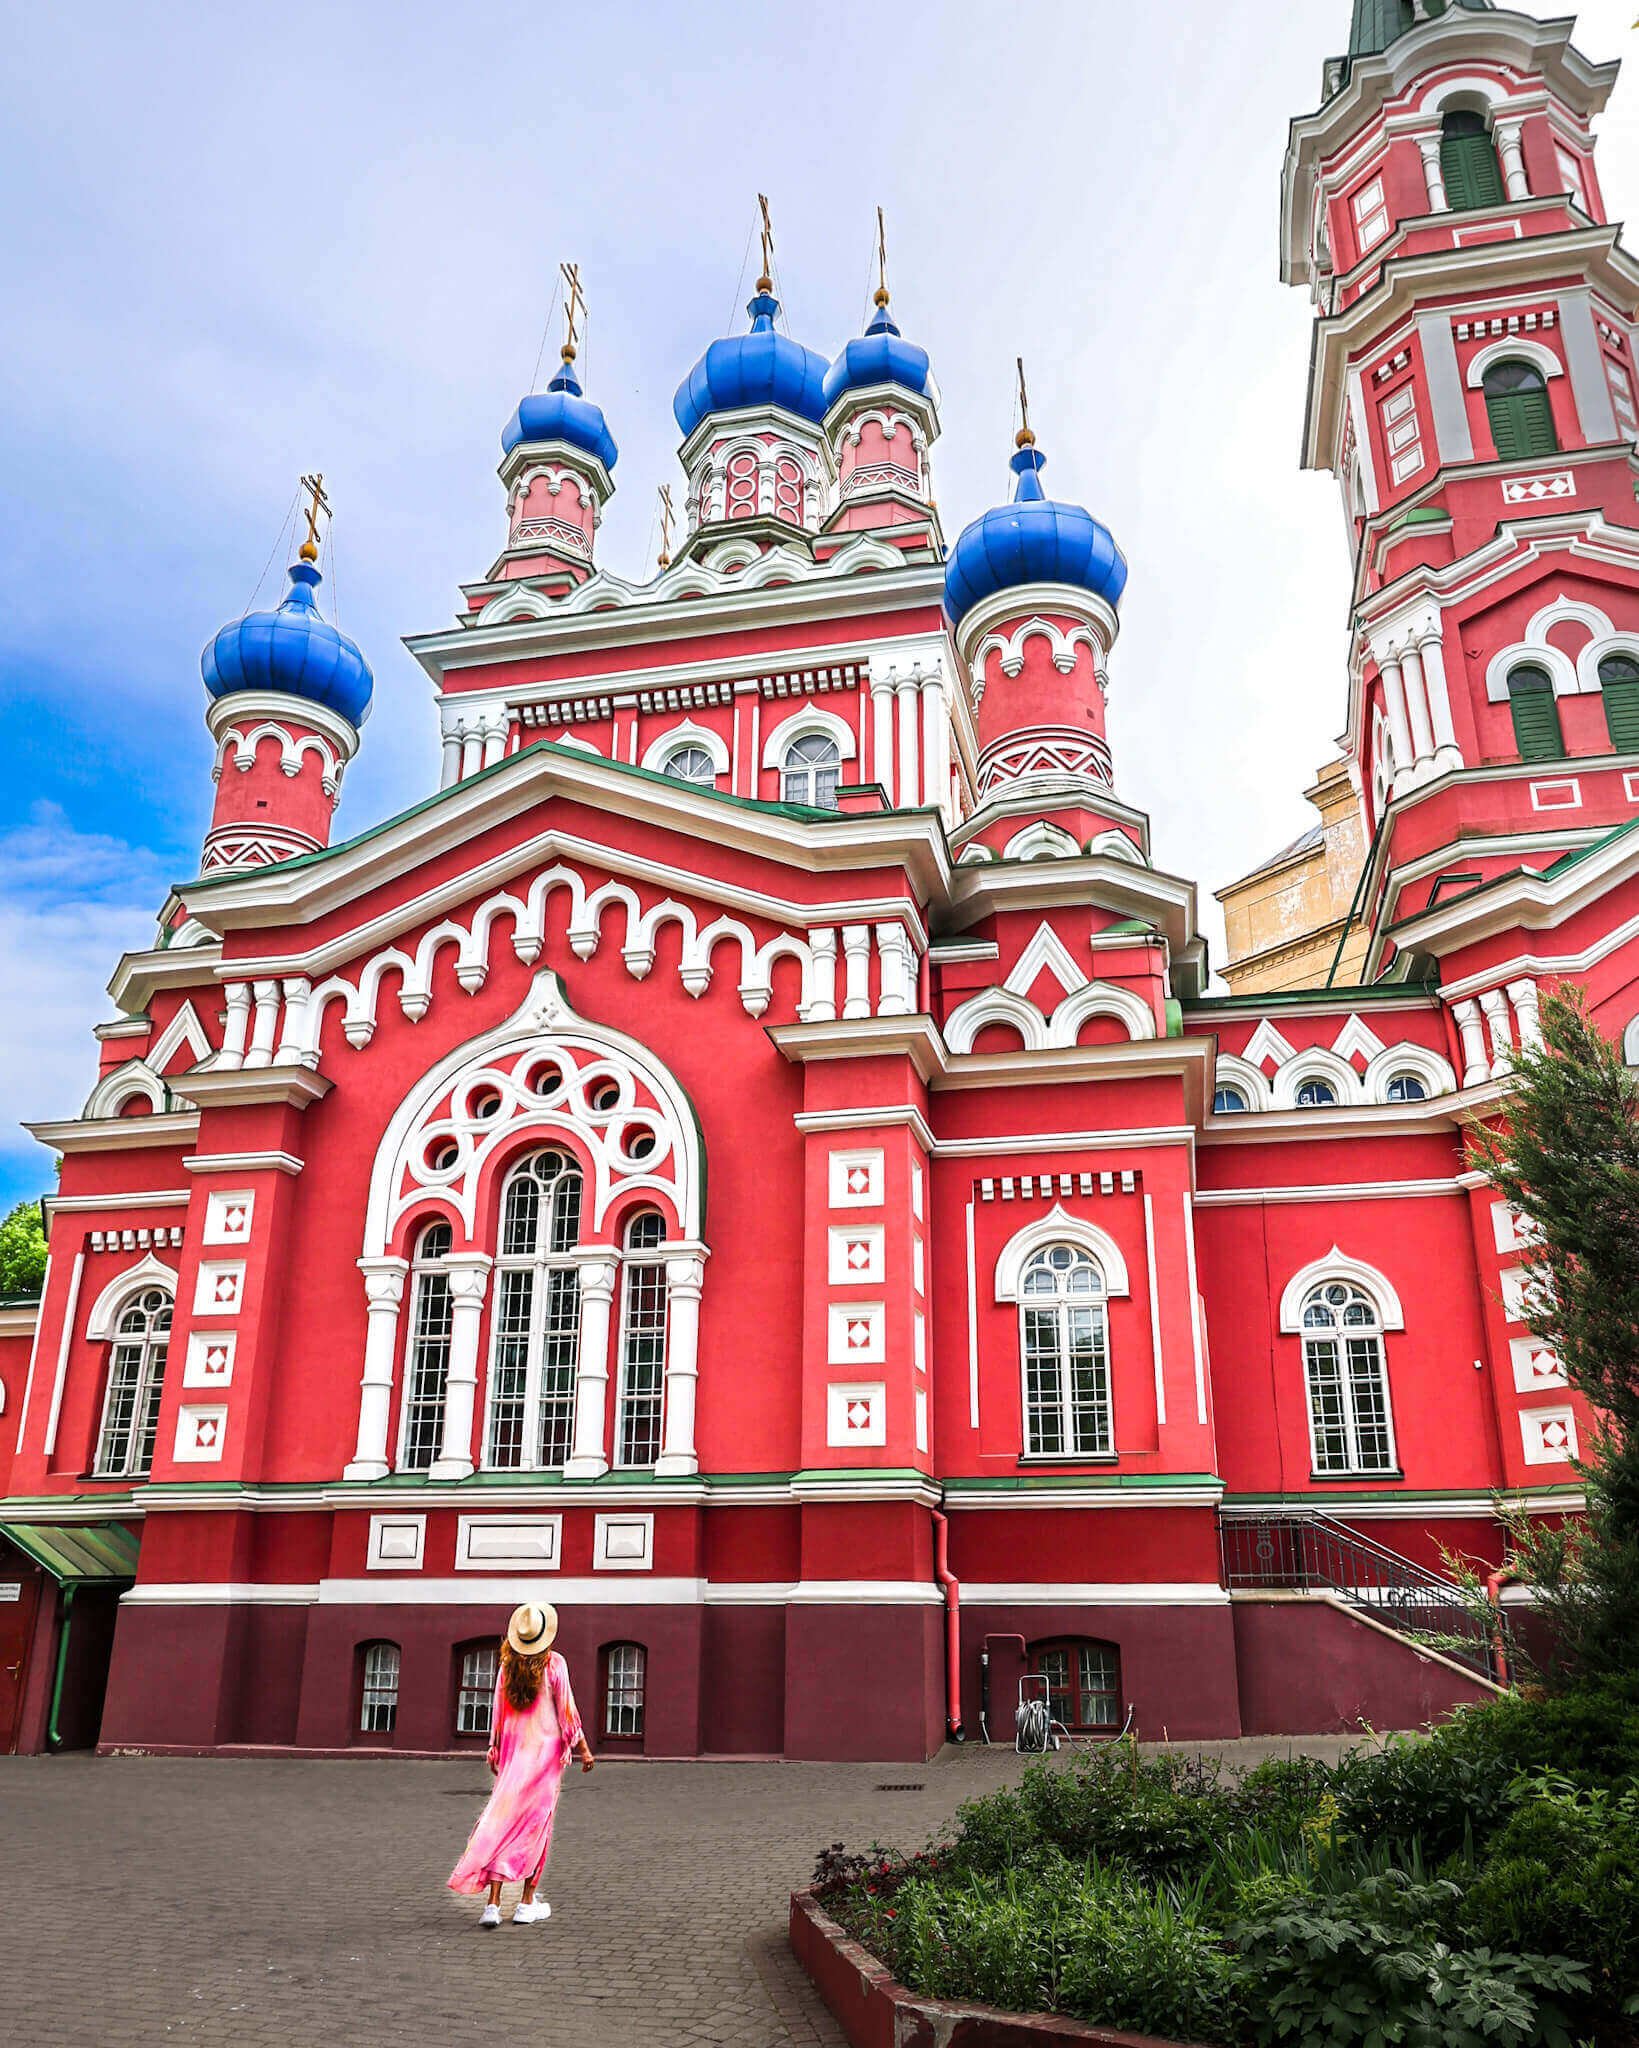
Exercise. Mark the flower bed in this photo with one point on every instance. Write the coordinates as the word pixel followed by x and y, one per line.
pixel 1478 1889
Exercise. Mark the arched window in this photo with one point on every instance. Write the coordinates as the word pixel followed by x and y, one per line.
pixel 1535 713
pixel 136 1379
pixel 1619 686
pixel 427 1366
pixel 378 1689
pixel 690 763
pixel 1517 405
pixel 475 1688
pixel 642 1343
pixel 625 1669
pixel 1406 1087
pixel 1468 162
pixel 531 1404
pixel 1315 1093
pixel 1065 1354
pixel 1083 1683
pixel 1346 1379
pixel 811 770
pixel 1229 1102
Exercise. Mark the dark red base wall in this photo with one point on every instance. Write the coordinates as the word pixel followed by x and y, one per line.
pixel 1308 1669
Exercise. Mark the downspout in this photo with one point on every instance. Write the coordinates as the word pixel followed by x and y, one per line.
pixel 53 1739
pixel 1494 1583
pixel 953 1627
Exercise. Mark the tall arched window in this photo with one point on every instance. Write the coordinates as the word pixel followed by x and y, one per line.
pixel 1468 162
pixel 378 1689
pixel 642 1343
pixel 531 1405
pixel 475 1689
pixel 1619 686
pixel 625 1670
pixel 1064 1350
pixel 427 1363
pixel 136 1379
pixel 689 763
pixel 1535 713
pixel 1518 407
pixel 1346 1379
pixel 811 771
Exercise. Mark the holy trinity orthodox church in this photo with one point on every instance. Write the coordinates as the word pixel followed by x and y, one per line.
pixel 755 1156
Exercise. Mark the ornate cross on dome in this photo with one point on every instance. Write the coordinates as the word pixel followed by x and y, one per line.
pixel 765 283
pixel 574 303
pixel 666 517
pixel 1024 438
pixel 314 486
pixel 881 260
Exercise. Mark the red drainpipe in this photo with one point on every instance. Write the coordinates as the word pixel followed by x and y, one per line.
pixel 1495 1581
pixel 953 1627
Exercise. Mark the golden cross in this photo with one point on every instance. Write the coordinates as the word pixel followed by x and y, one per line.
pixel 766 282
pixel 1024 438
pixel 573 303
pixel 881 260
pixel 314 485
pixel 667 515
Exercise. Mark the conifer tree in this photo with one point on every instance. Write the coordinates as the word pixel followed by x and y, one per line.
pixel 1567 1160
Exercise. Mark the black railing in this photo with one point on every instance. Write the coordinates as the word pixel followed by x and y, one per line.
pixel 1300 1550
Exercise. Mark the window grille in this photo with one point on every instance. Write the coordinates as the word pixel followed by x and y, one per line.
pixel 1350 1426
pixel 1228 1102
pixel 812 771
pixel 136 1379
pixel 378 1708
pixel 426 1374
pixel 1065 1354
pixel 691 764
pixel 475 1697
pixel 642 1345
pixel 1315 1094
pixel 1083 1683
pixel 535 1336
pixel 1406 1088
pixel 624 1671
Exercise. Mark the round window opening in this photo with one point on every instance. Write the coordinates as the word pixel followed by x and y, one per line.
pixel 483 1104
pixel 443 1155
pixel 604 1095
pixel 546 1078
pixel 640 1141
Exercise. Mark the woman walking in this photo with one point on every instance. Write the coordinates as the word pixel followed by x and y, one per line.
pixel 533 1728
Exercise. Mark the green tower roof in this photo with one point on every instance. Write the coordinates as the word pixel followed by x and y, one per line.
pixel 1377 23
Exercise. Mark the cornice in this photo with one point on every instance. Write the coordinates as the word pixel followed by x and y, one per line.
pixel 1524 899
pixel 914 1038
pixel 296 1087
pixel 118 1133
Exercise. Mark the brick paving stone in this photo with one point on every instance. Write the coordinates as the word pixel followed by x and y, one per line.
pixel 198 1901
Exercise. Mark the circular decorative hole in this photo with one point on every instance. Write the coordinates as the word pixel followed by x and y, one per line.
pixel 639 1141
pixel 604 1095
pixel 483 1104
pixel 545 1078
pixel 443 1155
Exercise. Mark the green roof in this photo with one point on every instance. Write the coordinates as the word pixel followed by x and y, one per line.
pixel 94 1553
pixel 1377 23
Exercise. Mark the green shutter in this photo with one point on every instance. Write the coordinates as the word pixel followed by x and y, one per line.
pixel 1468 165
pixel 1622 713
pixel 1536 726
pixel 1522 425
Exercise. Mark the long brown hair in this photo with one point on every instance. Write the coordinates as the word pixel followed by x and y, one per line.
pixel 521 1676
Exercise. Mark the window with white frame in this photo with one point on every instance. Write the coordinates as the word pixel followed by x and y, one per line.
pixel 811 771
pixel 378 1700
pixel 535 1339
pixel 136 1379
pixel 625 1668
pixel 642 1343
pixel 1621 388
pixel 1402 435
pixel 427 1362
pixel 1406 1086
pixel 1347 1380
pixel 690 763
pixel 1371 214
pixel 1065 1355
pixel 475 1695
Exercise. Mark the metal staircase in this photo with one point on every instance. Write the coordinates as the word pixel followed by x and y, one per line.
pixel 1300 1550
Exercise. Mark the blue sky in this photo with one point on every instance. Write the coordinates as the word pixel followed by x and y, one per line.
pixel 246 242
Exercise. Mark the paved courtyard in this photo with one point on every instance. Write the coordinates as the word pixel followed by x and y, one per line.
pixel 204 1901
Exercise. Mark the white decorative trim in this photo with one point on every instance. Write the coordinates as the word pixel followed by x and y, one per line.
pixel 1328 1191
pixel 243 1162
pixel 623 1542
pixel 1315 1063
pixel 148 1272
pixel 1231 1071
pixel 397 1543
pixel 806 720
pixel 1337 1265
pixel 1435 1072
pixel 134 1080
pixel 1046 951
pixel 856 1415
pixel 1355 1037
pixel 687 734
pixel 1548 1436
pixel 1267 1043
pixel 1513 346
pixel 1059 1227
pixel 1062 646
pixel 1041 840
pixel 487 1543
pixel 1082 1594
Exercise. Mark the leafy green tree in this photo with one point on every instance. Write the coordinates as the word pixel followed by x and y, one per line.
pixel 1567 1159
pixel 22 1250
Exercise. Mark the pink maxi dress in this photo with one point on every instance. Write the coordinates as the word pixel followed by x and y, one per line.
pixel 514 1831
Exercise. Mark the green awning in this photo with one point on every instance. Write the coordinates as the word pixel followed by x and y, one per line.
pixel 86 1553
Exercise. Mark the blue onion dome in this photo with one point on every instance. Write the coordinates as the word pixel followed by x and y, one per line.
pixel 759 368
pixel 562 413
pixel 293 650
pixel 881 355
pixel 1033 540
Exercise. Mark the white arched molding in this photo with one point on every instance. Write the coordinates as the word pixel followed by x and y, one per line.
pixel 1560 667
pixel 105 1310
pixel 1062 646
pixel 1337 1265
pixel 1630 1043
pixel 995 1006
pixel 1434 1072
pixel 1596 651
pixel 1316 1063
pixel 1569 677
pixel 1232 1072
pixel 241 743
pixel 134 1081
pixel 1041 841
pixel 1516 348
pixel 1061 1029
pixel 1100 999
pixel 688 734
pixel 1059 1227
pixel 805 721
pixel 977 854
pixel 1116 845
pixel 514 605
pixel 1453 95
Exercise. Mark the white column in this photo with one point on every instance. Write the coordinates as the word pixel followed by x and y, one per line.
pixel 1422 733
pixel 598 1270
pixel 685 1276
pixel 896 997
pixel 1495 1005
pixel 882 735
pixel 821 1006
pixel 935 740
pixel 1447 753
pixel 237 1025
pixel 1523 996
pixel 1475 1066
pixel 383 1294
pixel 1394 697
pixel 1507 137
pixel 450 767
pixel 856 953
pixel 494 731
pixel 264 1024
pixel 469 1281
pixel 1433 174
pixel 472 750
pixel 910 790
pixel 298 993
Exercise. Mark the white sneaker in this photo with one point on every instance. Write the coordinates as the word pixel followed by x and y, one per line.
pixel 527 1915
pixel 490 1917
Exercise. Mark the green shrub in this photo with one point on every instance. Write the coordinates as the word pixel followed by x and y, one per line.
pixel 1428 1791
pixel 1590 1733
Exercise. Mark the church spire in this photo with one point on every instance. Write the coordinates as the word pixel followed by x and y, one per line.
pixel 1377 23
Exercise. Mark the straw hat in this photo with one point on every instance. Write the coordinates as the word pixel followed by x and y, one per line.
pixel 531 1629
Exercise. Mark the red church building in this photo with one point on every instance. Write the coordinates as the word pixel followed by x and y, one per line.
pixel 755 1157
